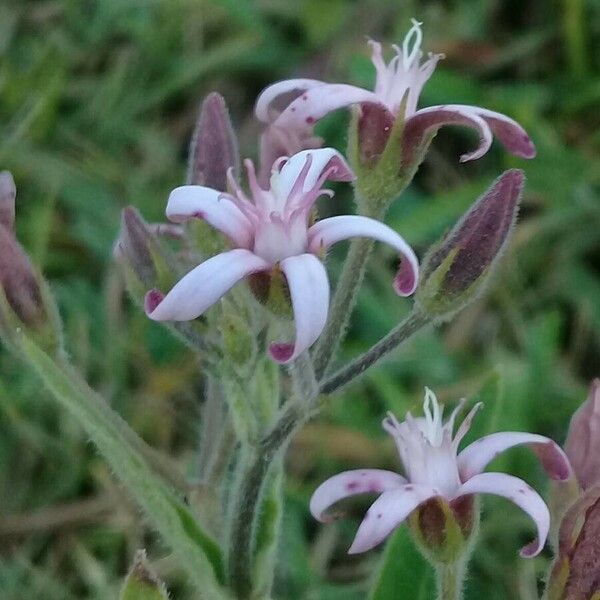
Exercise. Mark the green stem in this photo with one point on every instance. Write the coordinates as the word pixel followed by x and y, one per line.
pixel 413 323
pixel 343 302
pixel 450 580
pixel 249 497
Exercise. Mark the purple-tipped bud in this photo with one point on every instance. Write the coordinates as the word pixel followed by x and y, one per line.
pixel 214 147
pixel 8 194
pixel 583 440
pixel 575 572
pixel 455 271
pixel 17 276
pixel 134 245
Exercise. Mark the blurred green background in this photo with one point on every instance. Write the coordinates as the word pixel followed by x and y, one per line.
pixel 97 104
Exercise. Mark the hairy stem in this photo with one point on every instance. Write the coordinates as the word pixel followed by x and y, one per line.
pixel 450 578
pixel 413 323
pixel 249 497
pixel 343 302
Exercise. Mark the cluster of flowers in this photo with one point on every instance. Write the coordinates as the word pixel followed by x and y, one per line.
pixel 275 235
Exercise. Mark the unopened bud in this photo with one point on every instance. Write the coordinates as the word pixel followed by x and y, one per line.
pixel 19 281
pixel 8 194
pixel 142 583
pixel 444 530
pixel 214 147
pixel 456 270
pixel 147 263
pixel 574 574
pixel 583 440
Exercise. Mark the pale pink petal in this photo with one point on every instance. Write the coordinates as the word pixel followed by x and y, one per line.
pixel 309 291
pixel 203 286
pixel 476 456
pixel 387 512
pixel 264 109
pixel 293 172
pixel 427 121
pixel 350 483
pixel 196 201
pixel 510 134
pixel 521 494
pixel 319 101
pixel 334 229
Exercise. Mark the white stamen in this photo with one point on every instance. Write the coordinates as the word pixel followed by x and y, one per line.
pixel 433 418
pixel 410 53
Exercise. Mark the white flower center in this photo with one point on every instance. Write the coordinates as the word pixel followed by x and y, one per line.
pixel 426 447
pixel 403 78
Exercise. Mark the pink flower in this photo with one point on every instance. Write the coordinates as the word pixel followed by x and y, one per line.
pixel 434 469
pixel 272 231
pixel 396 94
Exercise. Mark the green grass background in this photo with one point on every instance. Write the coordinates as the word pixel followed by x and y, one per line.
pixel 97 103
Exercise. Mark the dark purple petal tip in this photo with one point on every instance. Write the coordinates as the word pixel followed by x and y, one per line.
pixel 152 300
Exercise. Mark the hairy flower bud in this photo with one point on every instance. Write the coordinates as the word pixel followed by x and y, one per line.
pixel 18 280
pixel 583 440
pixel 8 194
pixel 575 574
pixel 146 262
pixel 456 270
pixel 214 147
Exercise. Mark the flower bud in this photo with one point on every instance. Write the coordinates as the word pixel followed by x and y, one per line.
pixel 583 439
pixel 444 530
pixel 214 147
pixel 8 194
pixel 142 583
pixel 18 280
pixel 574 574
pixel 455 271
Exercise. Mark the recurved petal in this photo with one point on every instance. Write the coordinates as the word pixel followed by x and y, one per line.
pixel 334 229
pixel 521 494
pixel 387 512
pixel 351 483
pixel 309 291
pixel 196 201
pixel 203 286
pixel 321 159
pixel 427 121
pixel 476 456
pixel 511 135
pixel 265 109
pixel 319 101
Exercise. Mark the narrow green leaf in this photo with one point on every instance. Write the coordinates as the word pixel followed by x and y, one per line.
pixel 194 550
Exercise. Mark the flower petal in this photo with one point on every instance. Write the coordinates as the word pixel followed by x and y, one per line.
pixel 203 286
pixel 319 101
pixel 476 456
pixel 329 231
pixel 350 483
pixel 322 159
pixel 521 494
pixel 428 120
pixel 512 136
pixel 196 201
pixel 387 512
pixel 309 291
pixel 264 110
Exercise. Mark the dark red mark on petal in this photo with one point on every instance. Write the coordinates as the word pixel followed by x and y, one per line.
pixel 281 352
pixel 310 120
pixel 152 300
pixel 352 486
pixel 405 281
